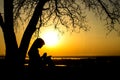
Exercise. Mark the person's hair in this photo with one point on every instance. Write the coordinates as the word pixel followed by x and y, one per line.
pixel 39 42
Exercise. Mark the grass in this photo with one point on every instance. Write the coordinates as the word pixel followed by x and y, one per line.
pixel 75 69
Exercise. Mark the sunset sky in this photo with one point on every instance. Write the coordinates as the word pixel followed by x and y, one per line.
pixel 94 42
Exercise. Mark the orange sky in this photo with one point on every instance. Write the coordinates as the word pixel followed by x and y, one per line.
pixel 90 43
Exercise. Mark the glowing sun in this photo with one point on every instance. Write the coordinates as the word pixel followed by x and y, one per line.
pixel 51 38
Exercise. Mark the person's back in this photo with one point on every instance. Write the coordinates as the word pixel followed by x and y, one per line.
pixel 34 56
pixel 34 59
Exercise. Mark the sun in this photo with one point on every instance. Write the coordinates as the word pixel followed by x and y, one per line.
pixel 51 38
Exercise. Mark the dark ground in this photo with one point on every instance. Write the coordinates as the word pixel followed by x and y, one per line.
pixel 95 68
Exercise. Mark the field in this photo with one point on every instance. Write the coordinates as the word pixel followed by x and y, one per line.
pixel 72 68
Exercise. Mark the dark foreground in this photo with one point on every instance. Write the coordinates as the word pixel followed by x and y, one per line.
pixel 90 68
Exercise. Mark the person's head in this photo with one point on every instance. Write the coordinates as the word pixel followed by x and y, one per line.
pixel 39 43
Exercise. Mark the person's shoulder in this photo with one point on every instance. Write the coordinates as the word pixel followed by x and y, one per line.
pixel 49 57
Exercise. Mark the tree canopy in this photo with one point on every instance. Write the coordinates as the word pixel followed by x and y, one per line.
pixel 70 13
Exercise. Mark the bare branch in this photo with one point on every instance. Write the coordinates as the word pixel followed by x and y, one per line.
pixel 64 12
pixel 107 10
pixel 70 13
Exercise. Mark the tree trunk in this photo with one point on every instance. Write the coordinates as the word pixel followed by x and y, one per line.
pixel 15 57
pixel 31 27
pixel 8 30
pixel 10 39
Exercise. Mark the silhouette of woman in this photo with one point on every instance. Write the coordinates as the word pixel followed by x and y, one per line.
pixel 34 56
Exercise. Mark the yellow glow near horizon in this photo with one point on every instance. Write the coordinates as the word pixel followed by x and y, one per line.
pixel 50 37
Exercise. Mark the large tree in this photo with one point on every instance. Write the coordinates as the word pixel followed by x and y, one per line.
pixel 62 13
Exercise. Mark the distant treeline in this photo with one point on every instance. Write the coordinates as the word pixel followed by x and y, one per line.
pixel 78 57
pixel 80 60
